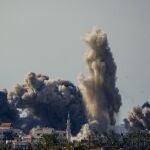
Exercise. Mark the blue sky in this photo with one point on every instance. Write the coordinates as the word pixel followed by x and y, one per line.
pixel 44 36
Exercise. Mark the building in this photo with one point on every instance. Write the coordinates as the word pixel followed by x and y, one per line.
pixel 5 126
pixel 38 132
pixel 5 131
pixel 27 138
pixel 21 145
pixel 68 129
pixel 60 136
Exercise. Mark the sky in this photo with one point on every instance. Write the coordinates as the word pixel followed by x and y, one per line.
pixel 45 36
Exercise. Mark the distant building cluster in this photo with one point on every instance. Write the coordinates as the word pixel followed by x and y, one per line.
pixel 37 133
pixel 22 141
pixel 16 136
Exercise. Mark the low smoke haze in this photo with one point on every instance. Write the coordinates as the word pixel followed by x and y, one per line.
pixel 45 37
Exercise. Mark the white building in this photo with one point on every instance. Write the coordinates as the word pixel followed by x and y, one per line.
pixel 61 135
pixel 21 145
pixel 37 133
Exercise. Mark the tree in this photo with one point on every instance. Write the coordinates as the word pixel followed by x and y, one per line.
pixel 48 141
pixel 76 146
pixel 2 145
pixel 138 140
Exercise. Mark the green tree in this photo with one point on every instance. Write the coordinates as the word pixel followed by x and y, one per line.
pixel 47 142
pixel 137 141
pixel 79 146
pixel 76 146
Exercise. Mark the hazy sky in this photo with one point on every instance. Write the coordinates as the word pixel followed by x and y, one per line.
pixel 44 36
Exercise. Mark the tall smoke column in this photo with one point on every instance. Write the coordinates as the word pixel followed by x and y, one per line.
pixel 101 97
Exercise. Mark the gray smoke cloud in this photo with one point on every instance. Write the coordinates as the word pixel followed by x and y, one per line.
pixel 40 101
pixel 139 117
pixel 100 94
pixel 45 102
pixel 7 112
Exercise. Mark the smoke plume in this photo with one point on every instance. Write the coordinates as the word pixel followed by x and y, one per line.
pixel 7 113
pixel 139 117
pixel 101 97
pixel 44 102
pixel 40 101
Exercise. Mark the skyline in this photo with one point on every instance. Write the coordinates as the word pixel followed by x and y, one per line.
pixel 45 37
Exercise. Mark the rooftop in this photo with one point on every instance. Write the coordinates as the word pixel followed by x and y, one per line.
pixel 5 125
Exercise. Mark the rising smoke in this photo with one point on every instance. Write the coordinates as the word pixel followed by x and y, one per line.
pixel 40 101
pixel 101 97
pixel 45 102
pixel 7 113
pixel 139 117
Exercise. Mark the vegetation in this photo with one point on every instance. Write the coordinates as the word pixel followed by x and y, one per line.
pixel 137 140
pixel 76 146
pixel 4 146
pixel 47 142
